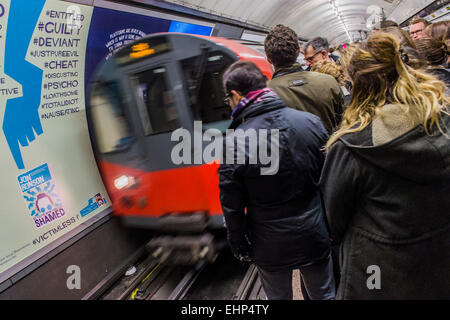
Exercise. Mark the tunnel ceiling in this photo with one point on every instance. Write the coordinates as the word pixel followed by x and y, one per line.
pixel 309 18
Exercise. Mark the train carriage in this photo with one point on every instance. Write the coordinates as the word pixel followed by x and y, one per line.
pixel 138 98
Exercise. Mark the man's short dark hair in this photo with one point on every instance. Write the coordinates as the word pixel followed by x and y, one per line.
pixel 243 76
pixel 388 23
pixel 281 46
pixel 425 22
pixel 317 44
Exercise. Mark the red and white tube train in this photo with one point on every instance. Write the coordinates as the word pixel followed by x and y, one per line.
pixel 137 99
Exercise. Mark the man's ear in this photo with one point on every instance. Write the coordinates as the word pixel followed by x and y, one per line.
pixel 236 95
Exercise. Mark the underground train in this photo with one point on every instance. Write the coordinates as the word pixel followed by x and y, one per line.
pixel 137 99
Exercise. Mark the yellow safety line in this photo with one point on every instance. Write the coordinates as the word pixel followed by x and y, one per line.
pixel 133 295
pixel 151 272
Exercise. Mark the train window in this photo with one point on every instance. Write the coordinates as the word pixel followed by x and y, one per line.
pixel 203 76
pixel 156 105
pixel 111 128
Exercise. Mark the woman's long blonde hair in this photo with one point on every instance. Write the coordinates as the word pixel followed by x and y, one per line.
pixel 330 68
pixel 380 76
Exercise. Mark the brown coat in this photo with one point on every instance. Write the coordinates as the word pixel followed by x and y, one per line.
pixel 312 92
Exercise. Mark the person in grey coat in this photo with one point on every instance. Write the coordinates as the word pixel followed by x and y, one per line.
pixel 386 180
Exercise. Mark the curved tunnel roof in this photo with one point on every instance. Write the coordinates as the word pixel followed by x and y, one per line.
pixel 310 18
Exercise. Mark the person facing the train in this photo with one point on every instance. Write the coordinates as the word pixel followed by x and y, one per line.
pixel 386 179
pixel 312 92
pixel 275 218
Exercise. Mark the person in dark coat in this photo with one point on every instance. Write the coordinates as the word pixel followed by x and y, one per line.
pixel 386 180
pixel 274 217
pixel 317 93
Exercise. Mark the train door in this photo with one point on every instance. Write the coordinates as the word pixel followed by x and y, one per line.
pixel 158 110
pixel 173 90
pixel 202 78
pixel 202 82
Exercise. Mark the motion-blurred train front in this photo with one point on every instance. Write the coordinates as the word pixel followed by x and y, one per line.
pixel 138 97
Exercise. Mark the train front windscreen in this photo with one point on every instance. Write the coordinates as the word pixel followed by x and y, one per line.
pixel 112 130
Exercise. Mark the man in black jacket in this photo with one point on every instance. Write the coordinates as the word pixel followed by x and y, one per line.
pixel 273 210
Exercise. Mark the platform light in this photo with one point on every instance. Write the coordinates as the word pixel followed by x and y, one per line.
pixel 339 16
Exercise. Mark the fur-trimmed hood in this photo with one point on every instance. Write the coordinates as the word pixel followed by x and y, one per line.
pixel 393 143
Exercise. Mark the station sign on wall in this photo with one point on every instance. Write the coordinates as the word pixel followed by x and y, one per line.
pixel 50 183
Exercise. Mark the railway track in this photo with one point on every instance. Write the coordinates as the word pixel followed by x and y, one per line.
pixel 251 287
pixel 157 277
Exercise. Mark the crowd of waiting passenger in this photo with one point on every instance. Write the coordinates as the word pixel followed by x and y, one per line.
pixel 360 204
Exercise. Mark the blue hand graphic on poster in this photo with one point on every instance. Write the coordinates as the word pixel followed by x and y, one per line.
pixel 21 120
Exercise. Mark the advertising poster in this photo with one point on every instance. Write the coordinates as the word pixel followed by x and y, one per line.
pixel 112 29
pixel 50 181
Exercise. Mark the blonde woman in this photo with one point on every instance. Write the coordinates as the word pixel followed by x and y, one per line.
pixel 414 59
pixel 386 179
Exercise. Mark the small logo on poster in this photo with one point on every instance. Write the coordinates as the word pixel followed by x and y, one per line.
pixel 39 191
pixel 94 203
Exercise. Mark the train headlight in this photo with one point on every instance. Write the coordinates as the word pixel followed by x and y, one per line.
pixel 124 182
